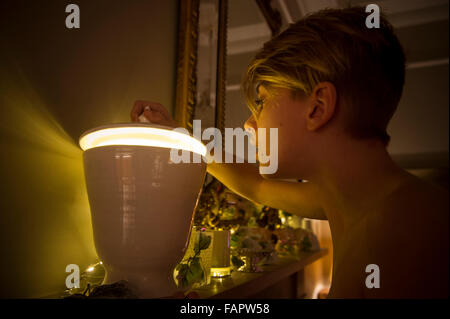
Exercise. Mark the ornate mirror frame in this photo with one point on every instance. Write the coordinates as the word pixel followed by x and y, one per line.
pixel 187 58
pixel 186 87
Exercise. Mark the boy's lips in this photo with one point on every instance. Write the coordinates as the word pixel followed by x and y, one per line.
pixel 252 133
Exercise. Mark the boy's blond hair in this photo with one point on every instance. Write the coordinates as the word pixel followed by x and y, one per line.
pixel 367 66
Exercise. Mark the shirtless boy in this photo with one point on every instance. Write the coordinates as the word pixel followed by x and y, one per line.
pixel 330 85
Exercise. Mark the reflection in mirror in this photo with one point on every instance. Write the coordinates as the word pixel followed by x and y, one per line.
pixel 207 62
pixel 247 32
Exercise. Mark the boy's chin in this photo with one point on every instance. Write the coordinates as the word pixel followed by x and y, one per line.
pixel 269 176
pixel 275 175
pixel 279 174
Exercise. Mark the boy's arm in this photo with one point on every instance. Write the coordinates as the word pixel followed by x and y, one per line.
pixel 244 179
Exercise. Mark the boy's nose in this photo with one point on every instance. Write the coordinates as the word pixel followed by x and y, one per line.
pixel 251 127
pixel 250 124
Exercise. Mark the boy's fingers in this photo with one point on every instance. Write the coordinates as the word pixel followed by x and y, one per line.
pixel 154 116
pixel 136 111
pixel 152 111
pixel 158 107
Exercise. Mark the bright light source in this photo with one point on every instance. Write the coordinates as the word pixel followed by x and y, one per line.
pixel 90 269
pixel 140 135
pixel 220 272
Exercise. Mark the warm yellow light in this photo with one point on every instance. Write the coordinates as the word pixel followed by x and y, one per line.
pixel 140 135
pixel 220 272
pixel 90 269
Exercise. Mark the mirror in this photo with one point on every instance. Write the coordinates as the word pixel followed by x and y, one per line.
pixel 217 39
pixel 211 33
pixel 207 66
pixel 200 92
pixel 246 34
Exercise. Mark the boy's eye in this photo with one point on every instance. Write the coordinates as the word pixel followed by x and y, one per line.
pixel 259 104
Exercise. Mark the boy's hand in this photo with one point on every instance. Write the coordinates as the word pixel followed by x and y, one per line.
pixel 156 113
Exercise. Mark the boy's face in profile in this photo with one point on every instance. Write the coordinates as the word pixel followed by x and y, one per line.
pixel 279 109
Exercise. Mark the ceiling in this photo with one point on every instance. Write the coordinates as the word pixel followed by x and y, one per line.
pixel 422 27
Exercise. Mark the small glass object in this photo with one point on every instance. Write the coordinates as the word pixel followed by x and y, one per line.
pixel 220 260
pixel 90 278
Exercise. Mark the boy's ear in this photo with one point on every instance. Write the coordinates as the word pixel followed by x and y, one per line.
pixel 322 105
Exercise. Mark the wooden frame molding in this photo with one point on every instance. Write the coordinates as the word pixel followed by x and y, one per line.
pixel 186 88
pixel 221 73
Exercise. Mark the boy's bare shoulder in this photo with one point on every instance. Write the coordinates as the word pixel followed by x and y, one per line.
pixel 416 207
pixel 417 202
pixel 408 240
pixel 417 212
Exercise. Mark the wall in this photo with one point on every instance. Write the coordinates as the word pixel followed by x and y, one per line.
pixel 420 126
pixel 56 83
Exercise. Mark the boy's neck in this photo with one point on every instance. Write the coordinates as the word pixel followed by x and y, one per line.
pixel 354 178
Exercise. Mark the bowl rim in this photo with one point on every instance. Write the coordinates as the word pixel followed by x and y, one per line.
pixel 131 124
pixel 176 130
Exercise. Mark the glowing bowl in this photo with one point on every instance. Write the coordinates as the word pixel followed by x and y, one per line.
pixel 141 201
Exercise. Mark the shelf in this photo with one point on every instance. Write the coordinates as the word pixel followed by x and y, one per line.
pixel 244 285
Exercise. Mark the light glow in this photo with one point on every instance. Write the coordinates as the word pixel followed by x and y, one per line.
pixel 317 289
pixel 140 135
pixel 220 272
